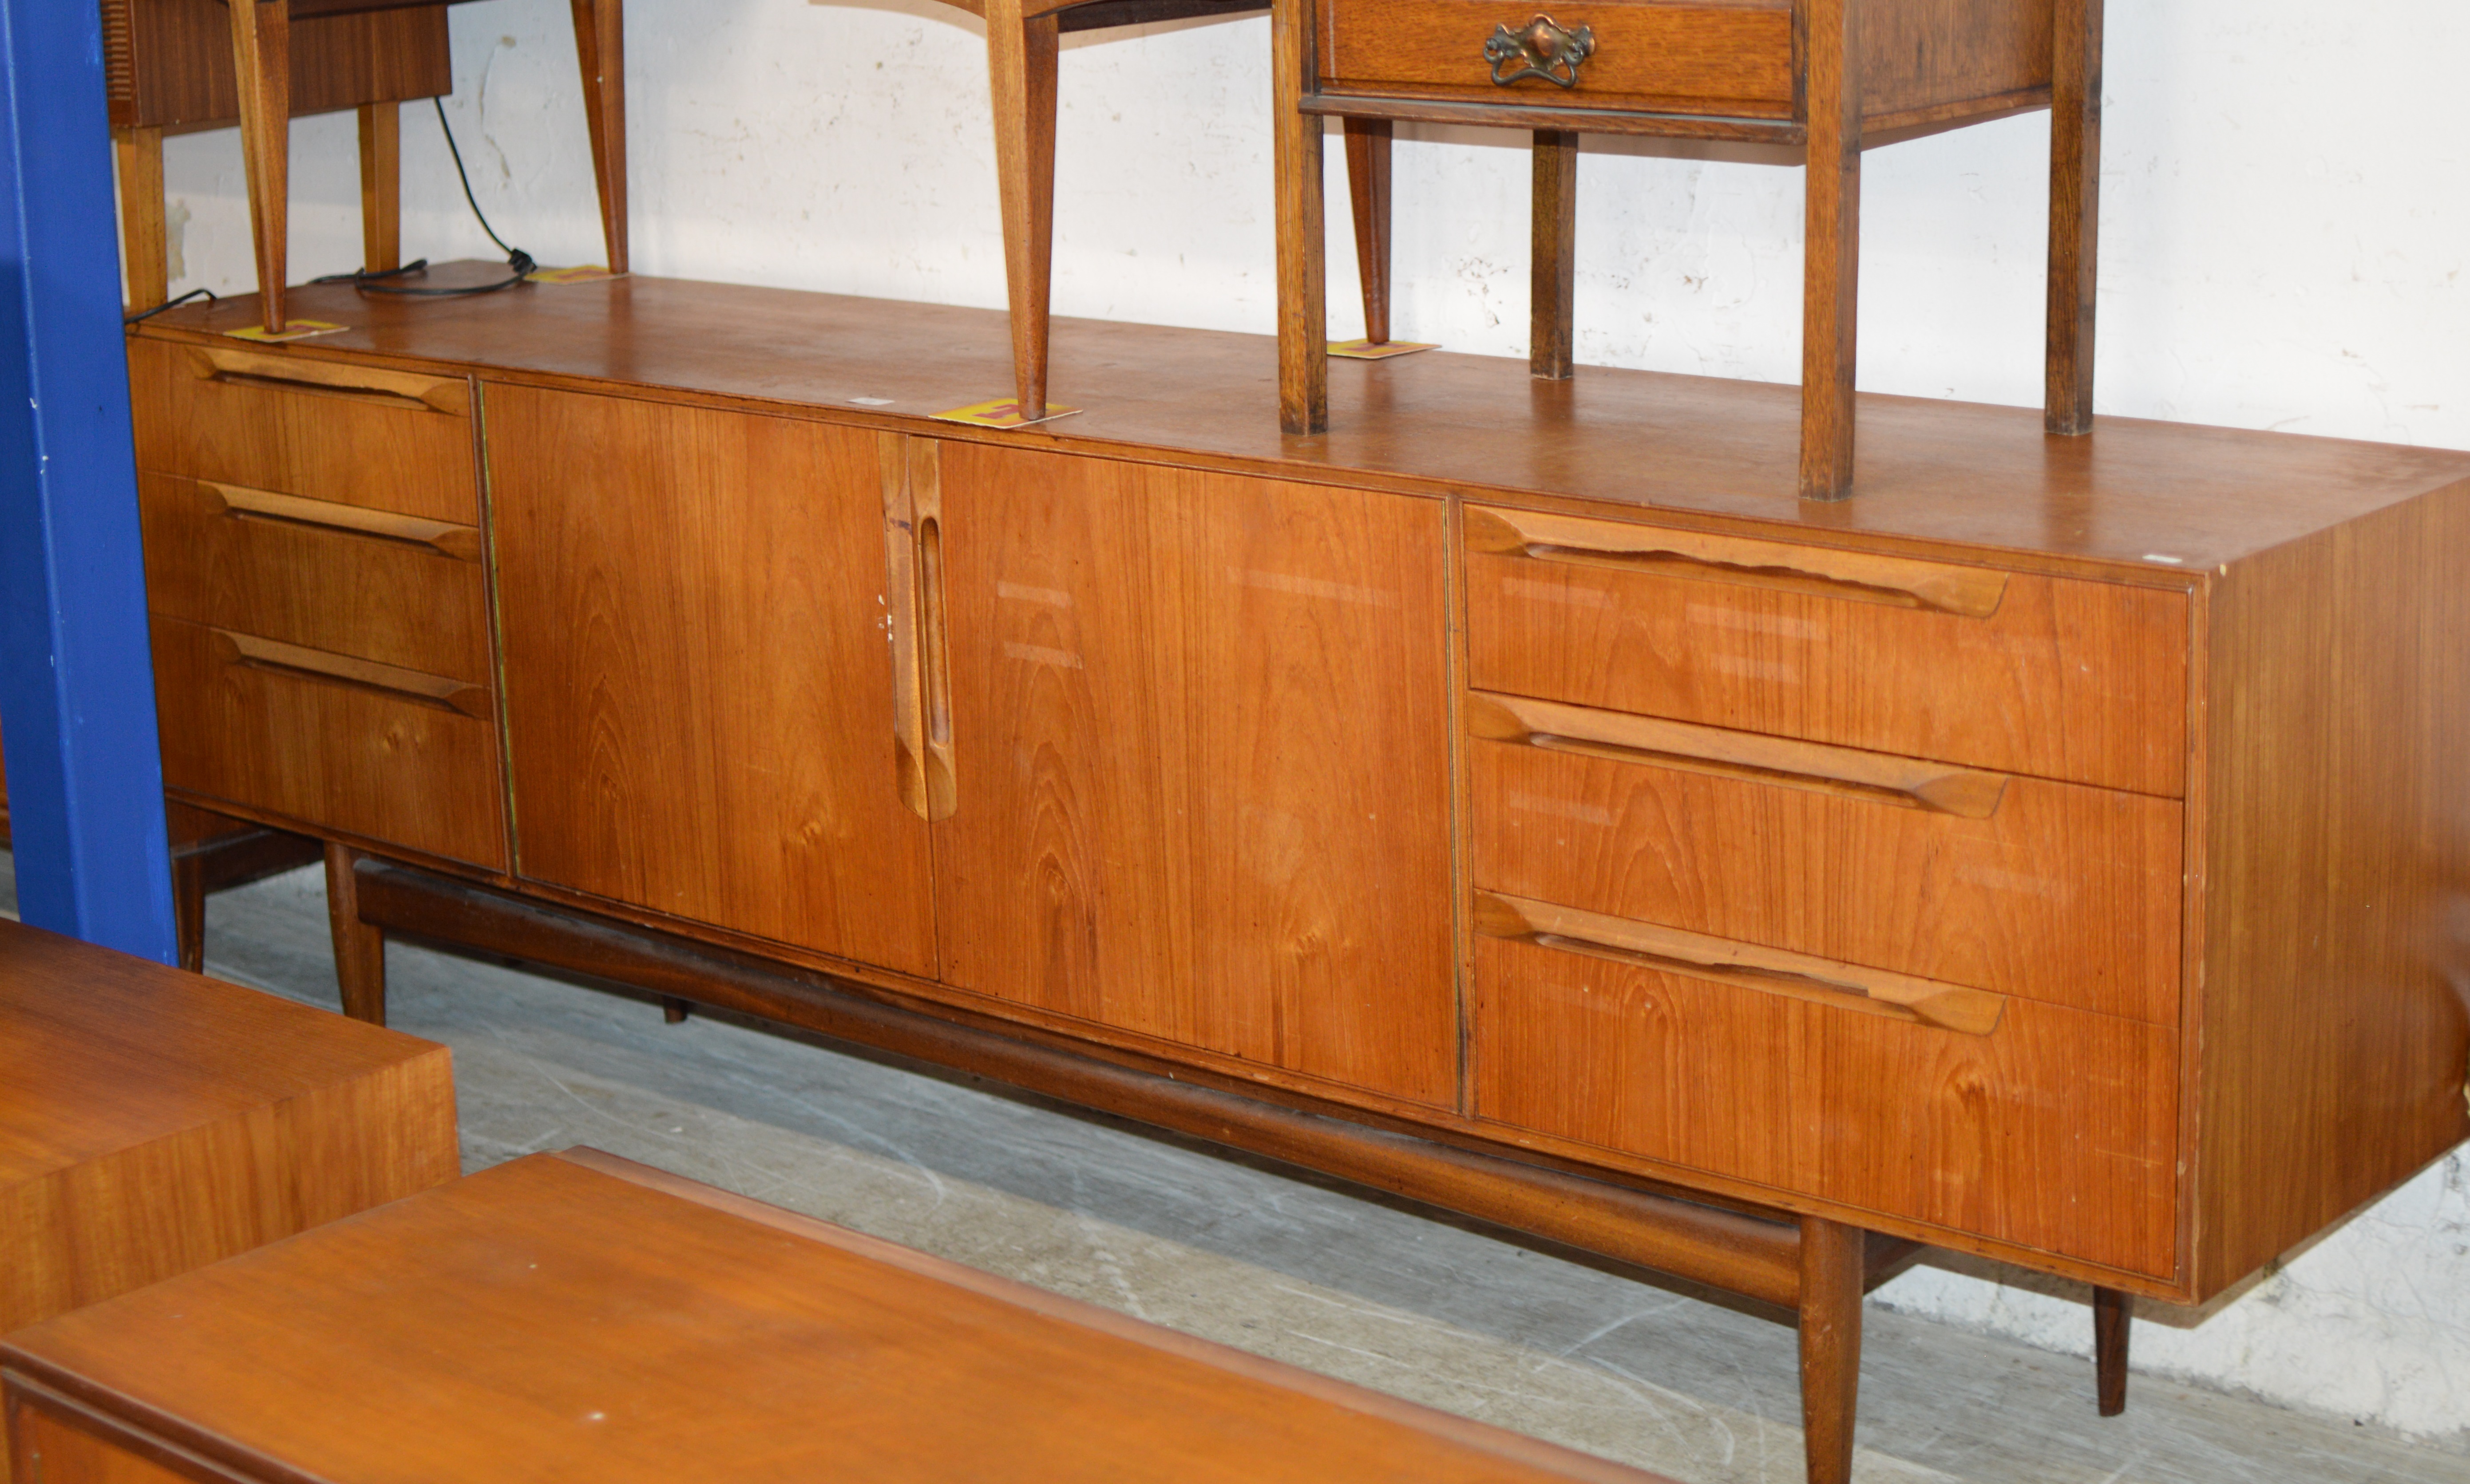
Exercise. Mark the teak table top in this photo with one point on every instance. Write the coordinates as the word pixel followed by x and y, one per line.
pixel 1698 449
pixel 577 1317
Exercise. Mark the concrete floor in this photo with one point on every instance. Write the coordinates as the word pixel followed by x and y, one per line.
pixel 1274 1263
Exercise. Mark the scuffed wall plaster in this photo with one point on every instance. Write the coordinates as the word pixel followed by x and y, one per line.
pixel 2286 221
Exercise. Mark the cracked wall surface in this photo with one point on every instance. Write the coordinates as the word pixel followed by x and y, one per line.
pixel 2286 221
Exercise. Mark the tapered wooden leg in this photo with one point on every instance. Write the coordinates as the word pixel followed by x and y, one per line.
pixel 675 1011
pixel 1303 303
pixel 261 59
pixel 1552 299
pixel 1830 281
pixel 189 908
pixel 381 187
pixel 2075 212
pixel 1367 187
pixel 1021 57
pixel 144 249
pixel 1832 1268
pixel 360 949
pixel 600 47
pixel 2111 1311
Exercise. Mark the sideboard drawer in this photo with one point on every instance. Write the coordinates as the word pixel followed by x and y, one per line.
pixel 383 752
pixel 399 589
pixel 2056 678
pixel 2019 886
pixel 1723 56
pixel 2057 1130
pixel 325 430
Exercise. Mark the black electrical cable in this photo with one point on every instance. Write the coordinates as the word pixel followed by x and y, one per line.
pixel 518 262
pixel 167 304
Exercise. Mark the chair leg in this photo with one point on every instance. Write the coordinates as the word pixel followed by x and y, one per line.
pixel 1832 1269
pixel 1021 60
pixel 1830 279
pixel 1303 286
pixel 2111 1311
pixel 360 949
pixel 144 249
pixel 1553 294
pixel 1368 182
pixel 600 47
pixel 381 187
pixel 261 32
pixel 2075 212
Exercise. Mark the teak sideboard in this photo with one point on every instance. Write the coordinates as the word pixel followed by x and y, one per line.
pixel 1517 800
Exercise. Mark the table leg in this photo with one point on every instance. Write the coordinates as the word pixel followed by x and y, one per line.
pixel 360 949
pixel 261 32
pixel 1303 302
pixel 381 187
pixel 1367 181
pixel 143 251
pixel 2075 212
pixel 1553 296
pixel 2111 1311
pixel 600 47
pixel 1831 279
pixel 1021 62
pixel 188 910
pixel 1832 1266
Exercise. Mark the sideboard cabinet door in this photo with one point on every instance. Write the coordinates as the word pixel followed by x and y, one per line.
pixel 1201 742
pixel 698 692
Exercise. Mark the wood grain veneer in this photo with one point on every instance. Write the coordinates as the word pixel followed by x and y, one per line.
pixel 699 697
pixel 543 1308
pixel 168 63
pixel 1704 57
pixel 1175 814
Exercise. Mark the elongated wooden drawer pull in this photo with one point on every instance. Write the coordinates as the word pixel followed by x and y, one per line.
pixel 1881 777
pixel 1799 976
pixel 414 685
pixel 1967 591
pixel 450 395
pixel 443 537
pixel 913 545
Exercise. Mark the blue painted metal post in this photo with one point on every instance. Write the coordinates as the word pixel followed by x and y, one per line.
pixel 77 680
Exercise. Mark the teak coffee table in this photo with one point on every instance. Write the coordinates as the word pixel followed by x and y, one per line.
pixel 153 1121
pixel 576 1317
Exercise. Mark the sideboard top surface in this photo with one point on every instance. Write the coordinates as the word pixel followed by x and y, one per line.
pixel 1942 473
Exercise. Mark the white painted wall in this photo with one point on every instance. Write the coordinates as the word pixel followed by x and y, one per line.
pixel 2286 222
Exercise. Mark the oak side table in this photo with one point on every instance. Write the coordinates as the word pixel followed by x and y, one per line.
pixel 577 1317
pixel 1827 79
pixel 154 1121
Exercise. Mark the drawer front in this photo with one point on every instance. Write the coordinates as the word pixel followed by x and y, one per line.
pixel 323 429
pixel 399 589
pixel 2019 886
pixel 336 743
pixel 2055 1132
pixel 1725 56
pixel 2083 682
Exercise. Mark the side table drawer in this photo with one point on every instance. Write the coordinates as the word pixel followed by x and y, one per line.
pixel 324 430
pixel 2057 678
pixel 399 589
pixel 1723 56
pixel 376 750
pixel 2055 1130
pixel 2020 886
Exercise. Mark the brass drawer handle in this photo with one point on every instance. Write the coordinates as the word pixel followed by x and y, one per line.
pixel 249 651
pixel 1541 49
pixel 1798 976
pixel 462 543
pixel 1860 576
pixel 1849 772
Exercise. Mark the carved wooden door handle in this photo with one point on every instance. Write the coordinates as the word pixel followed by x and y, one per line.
pixel 1540 49
pixel 921 688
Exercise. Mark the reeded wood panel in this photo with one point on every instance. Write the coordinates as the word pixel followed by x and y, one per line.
pixel 374 448
pixel 170 60
pixel 698 687
pixel 1692 56
pixel 1202 749
pixel 334 751
pixel 2057 1132
pixel 211 560
pixel 2062 894
pixel 2078 680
